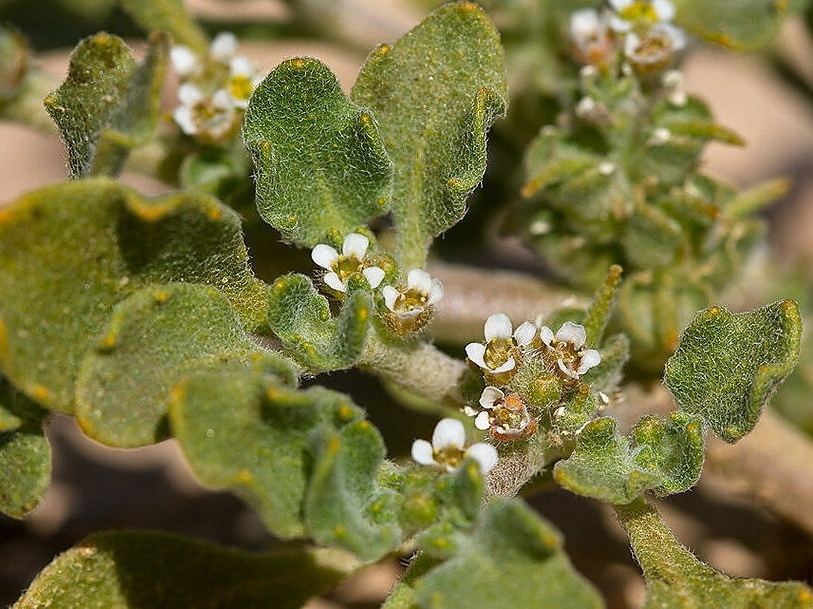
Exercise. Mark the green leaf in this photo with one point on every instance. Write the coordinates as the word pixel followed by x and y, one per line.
pixel 728 366
pixel 344 504
pixel 155 338
pixel 435 93
pixel 246 432
pixel 677 580
pixel 130 570
pixel 746 24
pixel 321 167
pixel 168 16
pixel 664 456
pixel 108 104
pixel 70 252
pixel 513 558
pixel 25 455
pixel 301 319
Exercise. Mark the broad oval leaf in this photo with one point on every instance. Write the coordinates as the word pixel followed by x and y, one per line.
pixel 321 167
pixel 435 93
pixel 135 569
pixel 727 366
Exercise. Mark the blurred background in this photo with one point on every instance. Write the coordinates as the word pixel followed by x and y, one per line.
pixel 96 488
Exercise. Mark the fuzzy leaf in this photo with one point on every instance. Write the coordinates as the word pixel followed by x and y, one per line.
pixel 321 167
pixel 677 580
pixel 665 456
pixel 301 319
pixel 108 104
pixel 344 506
pixel 155 338
pixel 25 455
pixel 129 570
pixel 728 366
pixel 746 24
pixel 435 93
pixel 513 558
pixel 70 252
pixel 248 433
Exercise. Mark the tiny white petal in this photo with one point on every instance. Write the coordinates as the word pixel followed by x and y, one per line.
pixel 448 433
pixel 490 396
pixel 583 23
pixel 497 326
pixel 525 333
pixel 566 370
pixel 333 281
pixel 222 100
pixel 481 422
pixel 470 412
pixel 508 365
pixel 390 295
pixel 189 94
pixel 475 352
pixel 374 275
pixel 223 47
pixel 674 34
pixel 618 24
pixel 573 333
pixel 241 66
pixel 422 452
pixel 420 280
pixel 435 292
pixel 546 334
pixel 665 9
pixel 620 5
pixel 485 455
pixel 356 245
pixel 184 61
pixel 590 359
pixel 183 115
pixel 324 255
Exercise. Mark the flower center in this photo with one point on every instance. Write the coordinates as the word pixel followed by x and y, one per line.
pixel 346 266
pixel 653 47
pixel 451 456
pixel 640 10
pixel 498 350
pixel 411 301
pixel 240 87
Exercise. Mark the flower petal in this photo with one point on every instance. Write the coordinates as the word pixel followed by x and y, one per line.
pixel 184 61
pixel 184 116
pixel 525 333
pixel 490 396
pixel 617 24
pixel 390 295
pixel 546 334
pixel 497 326
pixel 481 421
pixel 374 275
pixel 324 255
pixel 584 23
pixel 422 453
pixel 475 352
pixel 566 370
pixel 590 359
pixel 241 66
pixel 485 455
pixel 356 245
pixel 420 280
pixel 223 47
pixel 665 9
pixel 508 365
pixel 333 281
pixel 189 94
pixel 572 333
pixel 448 433
pixel 435 292
pixel 620 5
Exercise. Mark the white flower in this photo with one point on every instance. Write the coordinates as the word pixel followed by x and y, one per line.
pixel 497 354
pixel 448 448
pixel 568 348
pixel 654 50
pixel 421 292
pixel 211 116
pixel 505 416
pixel 630 12
pixel 223 47
pixel 243 79
pixel 184 61
pixel 351 260
pixel 591 36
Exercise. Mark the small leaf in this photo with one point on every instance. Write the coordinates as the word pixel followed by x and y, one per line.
pixel 321 167
pixel 601 307
pixel 70 252
pixel 513 558
pixel 168 16
pixel 435 93
pixel 301 319
pixel 728 366
pixel 155 338
pixel 747 24
pixel 161 571
pixel 246 432
pixel 344 506
pixel 677 580
pixel 108 104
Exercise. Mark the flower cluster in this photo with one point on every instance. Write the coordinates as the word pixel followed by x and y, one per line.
pixel 406 308
pixel 214 90
pixel 448 448
pixel 562 356
pixel 650 40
